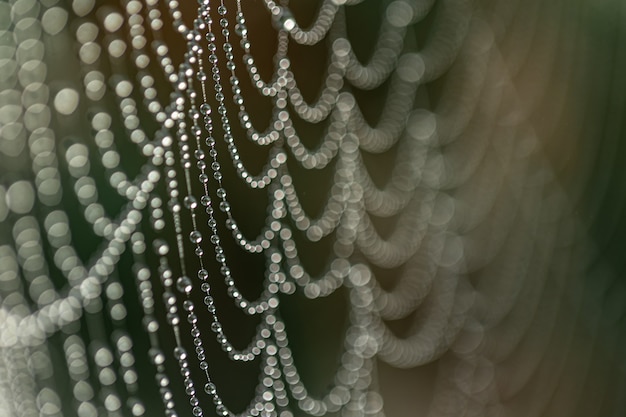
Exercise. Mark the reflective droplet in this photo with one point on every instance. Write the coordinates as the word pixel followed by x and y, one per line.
pixel 66 101
pixel 103 357
pixel 399 13
pixel 54 20
pixel 113 21
pixel 190 202
pixel 184 284
pixel 20 197
pixel 195 237
pixel 210 388
pixel 285 20
pixel 411 67
pixel 83 7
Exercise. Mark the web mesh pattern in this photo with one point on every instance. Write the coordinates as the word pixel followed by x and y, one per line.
pixel 343 207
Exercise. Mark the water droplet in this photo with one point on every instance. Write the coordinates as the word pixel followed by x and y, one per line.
pixel 184 284
pixel 195 237
pixel 180 353
pixel 205 109
pixel 210 388
pixel 190 202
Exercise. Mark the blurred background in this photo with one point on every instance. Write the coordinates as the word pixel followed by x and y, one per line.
pixel 510 248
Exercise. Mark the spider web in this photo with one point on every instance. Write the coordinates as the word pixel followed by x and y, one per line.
pixel 261 208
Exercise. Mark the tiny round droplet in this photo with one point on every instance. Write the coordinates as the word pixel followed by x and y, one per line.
pixel 66 101
pixel 205 109
pixel 210 388
pixel 180 353
pixel 195 237
pixel 190 202
pixel 184 285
